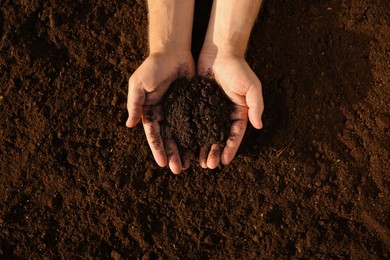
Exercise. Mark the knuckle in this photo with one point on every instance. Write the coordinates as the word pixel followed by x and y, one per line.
pixel 155 141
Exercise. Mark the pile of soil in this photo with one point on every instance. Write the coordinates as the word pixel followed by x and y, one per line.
pixel 76 183
pixel 197 112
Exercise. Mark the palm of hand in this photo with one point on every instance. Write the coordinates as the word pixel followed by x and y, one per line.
pixel 154 76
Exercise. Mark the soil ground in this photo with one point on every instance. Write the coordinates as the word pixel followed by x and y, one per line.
pixel 75 183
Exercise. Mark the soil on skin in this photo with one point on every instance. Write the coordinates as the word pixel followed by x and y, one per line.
pixel 76 183
pixel 197 112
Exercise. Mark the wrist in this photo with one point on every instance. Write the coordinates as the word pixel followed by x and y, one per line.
pixel 169 47
pixel 182 62
pixel 171 53
pixel 226 43
pixel 222 50
pixel 226 51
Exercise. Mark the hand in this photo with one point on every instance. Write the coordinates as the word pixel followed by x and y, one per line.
pixel 147 86
pixel 243 87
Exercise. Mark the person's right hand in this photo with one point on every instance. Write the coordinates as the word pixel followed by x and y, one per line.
pixel 147 86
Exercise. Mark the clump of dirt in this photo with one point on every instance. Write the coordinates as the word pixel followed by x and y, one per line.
pixel 197 112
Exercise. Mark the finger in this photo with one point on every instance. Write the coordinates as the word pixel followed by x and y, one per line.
pixel 185 160
pixel 237 131
pixel 255 103
pixel 173 155
pixel 214 156
pixel 153 113
pixel 203 158
pixel 135 102
pixel 153 136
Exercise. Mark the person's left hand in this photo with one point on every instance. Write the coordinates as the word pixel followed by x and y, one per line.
pixel 243 87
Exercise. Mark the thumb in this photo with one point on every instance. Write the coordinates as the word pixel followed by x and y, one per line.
pixel 255 103
pixel 135 102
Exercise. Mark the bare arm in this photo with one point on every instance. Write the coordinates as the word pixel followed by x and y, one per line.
pixel 170 25
pixel 230 25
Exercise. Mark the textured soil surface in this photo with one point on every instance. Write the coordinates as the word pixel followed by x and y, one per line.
pixel 198 113
pixel 75 183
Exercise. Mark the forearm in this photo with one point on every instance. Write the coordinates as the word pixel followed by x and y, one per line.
pixel 230 25
pixel 170 25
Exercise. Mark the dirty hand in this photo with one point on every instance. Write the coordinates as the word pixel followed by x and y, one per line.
pixel 147 86
pixel 243 87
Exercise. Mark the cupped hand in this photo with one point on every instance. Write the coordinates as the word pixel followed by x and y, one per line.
pixel 243 87
pixel 147 86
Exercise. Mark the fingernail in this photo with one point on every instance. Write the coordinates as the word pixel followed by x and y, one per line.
pixel 261 124
pixel 128 122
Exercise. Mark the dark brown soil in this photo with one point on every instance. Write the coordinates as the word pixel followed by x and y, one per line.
pixel 198 113
pixel 75 183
